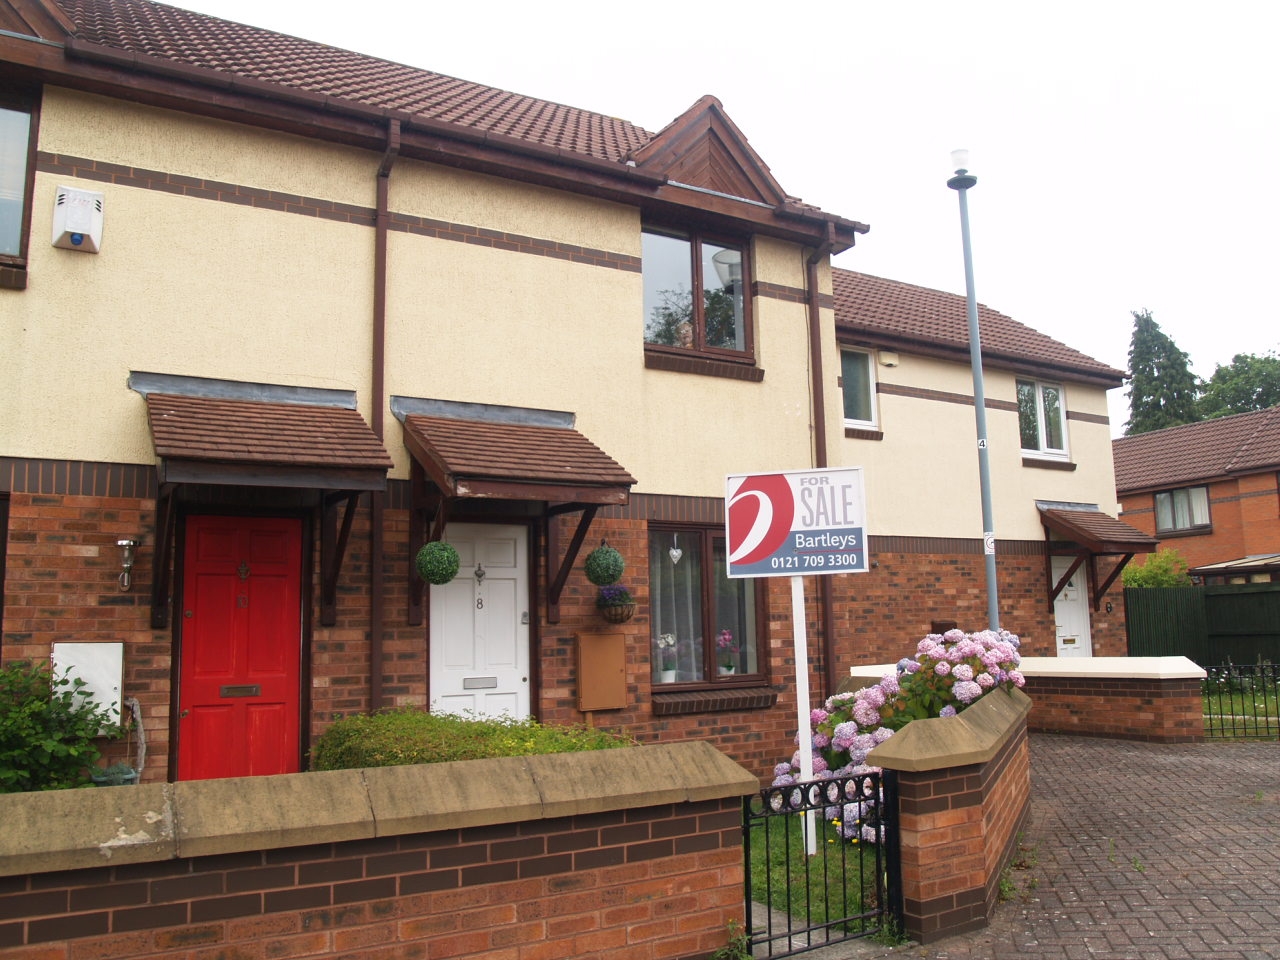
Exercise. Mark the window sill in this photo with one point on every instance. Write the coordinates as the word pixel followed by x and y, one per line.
pixel 714 701
pixel 12 278
pixel 704 366
pixel 1042 463
pixel 863 433
pixel 1204 531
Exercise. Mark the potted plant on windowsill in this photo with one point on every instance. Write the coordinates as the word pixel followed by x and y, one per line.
pixel 726 653
pixel 615 603
pixel 667 658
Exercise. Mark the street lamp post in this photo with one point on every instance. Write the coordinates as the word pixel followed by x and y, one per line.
pixel 961 183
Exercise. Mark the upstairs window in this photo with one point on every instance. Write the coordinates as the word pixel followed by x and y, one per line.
pixel 704 627
pixel 857 380
pixel 1182 510
pixel 16 138
pixel 1042 419
pixel 695 295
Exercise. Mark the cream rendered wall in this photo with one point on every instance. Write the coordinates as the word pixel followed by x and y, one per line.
pixel 182 285
pixel 207 288
pixel 474 324
pixel 922 478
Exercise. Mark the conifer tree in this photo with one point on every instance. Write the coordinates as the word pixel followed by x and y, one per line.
pixel 1162 389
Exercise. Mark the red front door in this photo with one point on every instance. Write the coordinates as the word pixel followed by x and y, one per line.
pixel 238 691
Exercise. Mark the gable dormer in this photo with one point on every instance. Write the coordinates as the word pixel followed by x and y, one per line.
pixel 35 18
pixel 704 148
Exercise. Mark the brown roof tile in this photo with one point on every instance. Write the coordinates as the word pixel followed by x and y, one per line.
pixel 196 40
pixel 1100 531
pixel 260 432
pixel 919 315
pixel 510 455
pixel 1176 456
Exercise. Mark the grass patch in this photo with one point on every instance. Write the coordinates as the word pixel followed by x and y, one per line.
pixel 414 736
pixel 838 882
pixel 1241 706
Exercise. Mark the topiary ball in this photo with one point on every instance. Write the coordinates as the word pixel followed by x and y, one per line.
pixel 437 562
pixel 604 565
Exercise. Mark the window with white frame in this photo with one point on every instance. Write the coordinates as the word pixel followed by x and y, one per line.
pixel 857 378
pixel 1042 418
pixel 704 627
pixel 1181 510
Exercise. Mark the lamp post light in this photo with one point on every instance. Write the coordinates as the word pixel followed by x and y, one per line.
pixel 961 183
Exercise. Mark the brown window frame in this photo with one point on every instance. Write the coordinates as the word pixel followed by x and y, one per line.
pixel 13 268
pixel 708 536
pixel 700 349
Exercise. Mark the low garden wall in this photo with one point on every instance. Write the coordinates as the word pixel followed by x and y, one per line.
pixel 1132 698
pixel 628 853
pixel 964 792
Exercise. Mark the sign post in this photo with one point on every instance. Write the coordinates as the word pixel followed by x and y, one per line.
pixel 795 524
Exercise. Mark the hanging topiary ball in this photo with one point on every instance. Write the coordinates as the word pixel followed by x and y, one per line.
pixel 437 562
pixel 604 565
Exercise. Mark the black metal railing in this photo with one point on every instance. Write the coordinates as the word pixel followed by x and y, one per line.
pixel 848 887
pixel 1242 702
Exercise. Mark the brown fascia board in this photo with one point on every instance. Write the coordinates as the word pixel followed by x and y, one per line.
pixel 944 350
pixel 97 68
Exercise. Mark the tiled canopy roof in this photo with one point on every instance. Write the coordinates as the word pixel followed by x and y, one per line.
pixel 468 458
pixel 918 315
pixel 1244 443
pixel 260 433
pixel 1100 532
pixel 196 40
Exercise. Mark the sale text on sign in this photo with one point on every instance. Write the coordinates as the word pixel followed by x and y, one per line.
pixel 796 523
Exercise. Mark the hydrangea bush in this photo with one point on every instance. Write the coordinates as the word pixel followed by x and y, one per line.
pixel 949 672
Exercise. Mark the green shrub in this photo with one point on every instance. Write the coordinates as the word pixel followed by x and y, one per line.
pixel 412 736
pixel 1164 568
pixel 47 730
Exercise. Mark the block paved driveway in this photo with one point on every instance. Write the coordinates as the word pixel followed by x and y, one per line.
pixel 1137 851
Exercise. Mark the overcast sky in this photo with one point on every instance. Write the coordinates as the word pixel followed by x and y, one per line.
pixel 1127 152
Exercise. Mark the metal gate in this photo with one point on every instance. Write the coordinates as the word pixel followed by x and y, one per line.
pixel 850 887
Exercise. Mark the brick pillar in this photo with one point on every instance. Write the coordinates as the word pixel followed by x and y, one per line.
pixel 964 791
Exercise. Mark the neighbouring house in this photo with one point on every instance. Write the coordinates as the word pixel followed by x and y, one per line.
pixel 909 420
pixel 1211 491
pixel 275 314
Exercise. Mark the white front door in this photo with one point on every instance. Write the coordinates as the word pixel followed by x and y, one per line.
pixel 480 624
pixel 1071 611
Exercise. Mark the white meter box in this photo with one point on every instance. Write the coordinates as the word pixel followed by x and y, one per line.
pixel 77 219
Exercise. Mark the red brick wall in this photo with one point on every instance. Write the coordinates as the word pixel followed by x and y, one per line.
pixel 1163 711
pixel 1245 516
pixel 642 884
pixel 62 566
pixel 959 828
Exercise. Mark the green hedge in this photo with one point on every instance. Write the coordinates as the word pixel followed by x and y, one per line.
pixel 48 729
pixel 412 736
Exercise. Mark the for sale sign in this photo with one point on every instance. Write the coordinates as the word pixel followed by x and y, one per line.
pixel 796 523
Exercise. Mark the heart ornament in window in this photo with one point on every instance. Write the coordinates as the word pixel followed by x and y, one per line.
pixel 675 553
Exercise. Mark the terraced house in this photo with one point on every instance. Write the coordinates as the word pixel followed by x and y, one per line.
pixel 274 314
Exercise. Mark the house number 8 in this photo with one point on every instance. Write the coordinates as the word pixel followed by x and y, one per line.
pixel 479 603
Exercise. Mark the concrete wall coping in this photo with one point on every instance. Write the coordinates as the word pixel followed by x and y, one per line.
pixel 75 829
pixel 1133 668
pixel 973 736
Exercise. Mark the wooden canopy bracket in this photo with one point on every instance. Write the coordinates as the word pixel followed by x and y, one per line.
pixel 333 548
pixel 1103 587
pixel 162 556
pixel 556 578
pixel 427 507
pixel 1056 588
